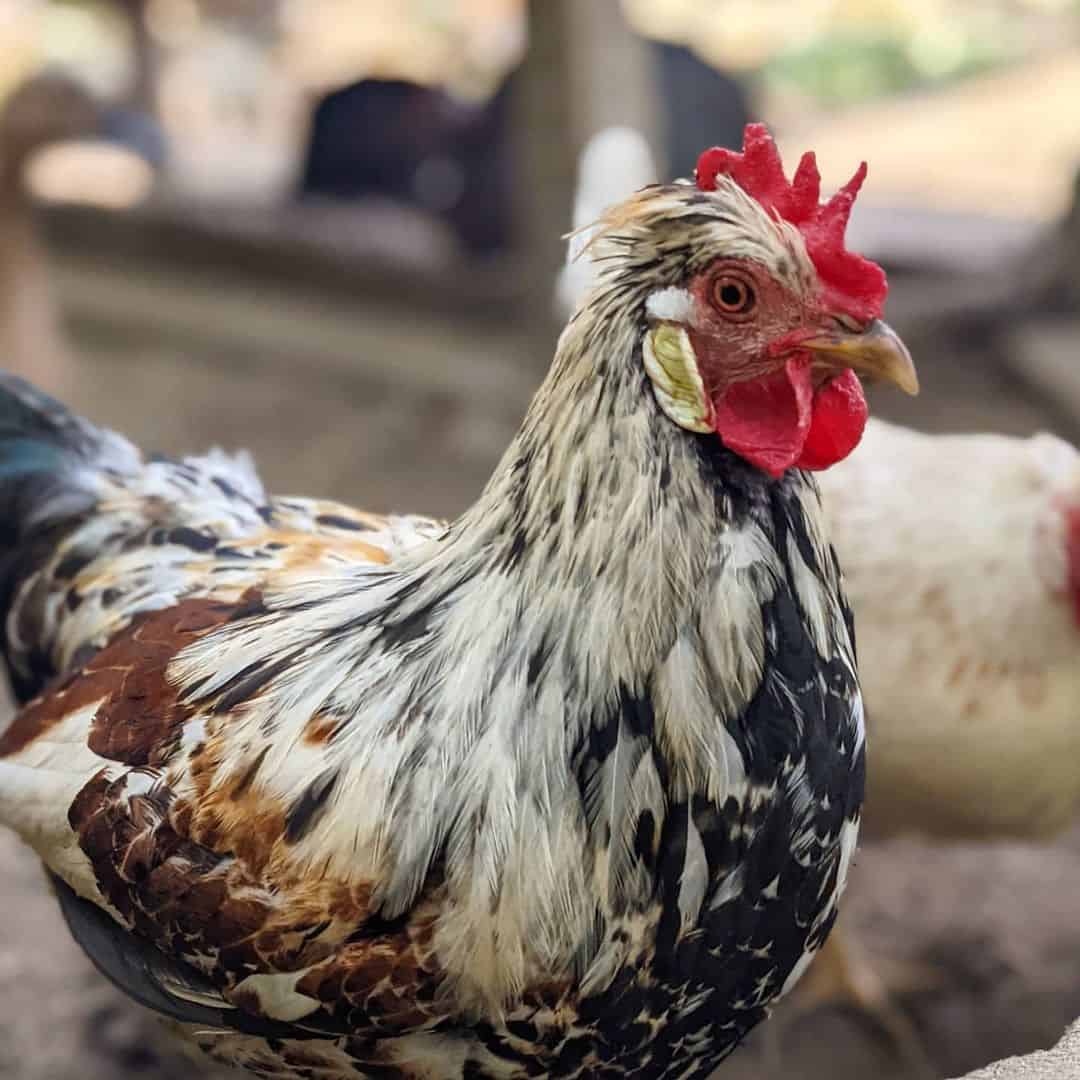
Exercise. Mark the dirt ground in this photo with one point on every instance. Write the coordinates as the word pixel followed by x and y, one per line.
pixel 999 923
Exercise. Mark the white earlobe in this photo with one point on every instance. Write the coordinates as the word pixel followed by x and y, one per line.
pixel 671 304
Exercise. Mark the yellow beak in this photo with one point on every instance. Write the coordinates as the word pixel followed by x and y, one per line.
pixel 876 352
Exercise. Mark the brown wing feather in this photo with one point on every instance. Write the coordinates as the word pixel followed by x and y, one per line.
pixel 195 875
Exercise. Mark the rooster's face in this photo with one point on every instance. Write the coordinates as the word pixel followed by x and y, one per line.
pixel 762 338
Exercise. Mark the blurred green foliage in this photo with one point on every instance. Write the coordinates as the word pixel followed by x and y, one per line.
pixel 849 66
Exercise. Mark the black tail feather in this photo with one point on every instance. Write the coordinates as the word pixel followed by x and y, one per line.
pixel 51 461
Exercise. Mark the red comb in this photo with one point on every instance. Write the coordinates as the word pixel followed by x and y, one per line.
pixel 853 285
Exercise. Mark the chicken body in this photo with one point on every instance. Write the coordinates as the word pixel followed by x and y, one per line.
pixel 568 787
pixel 398 874
pixel 962 563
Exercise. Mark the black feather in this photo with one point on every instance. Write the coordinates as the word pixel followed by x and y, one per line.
pixel 48 457
pixel 163 984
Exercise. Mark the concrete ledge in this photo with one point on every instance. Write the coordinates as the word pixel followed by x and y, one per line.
pixel 375 252
pixel 1060 1063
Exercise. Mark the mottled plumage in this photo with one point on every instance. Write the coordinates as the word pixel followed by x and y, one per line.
pixel 568 787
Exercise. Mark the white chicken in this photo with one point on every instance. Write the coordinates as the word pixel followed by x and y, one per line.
pixel 961 555
pixel 962 559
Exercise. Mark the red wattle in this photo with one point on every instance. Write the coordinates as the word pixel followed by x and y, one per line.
pixel 839 417
pixel 766 420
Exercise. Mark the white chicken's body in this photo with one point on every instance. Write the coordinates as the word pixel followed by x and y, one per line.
pixel 616 162
pixel 954 553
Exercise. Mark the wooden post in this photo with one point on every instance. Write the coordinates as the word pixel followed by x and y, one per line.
pixel 545 159
pixel 143 92
pixel 584 70
pixel 611 75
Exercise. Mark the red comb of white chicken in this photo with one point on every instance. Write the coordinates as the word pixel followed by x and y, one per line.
pixel 568 787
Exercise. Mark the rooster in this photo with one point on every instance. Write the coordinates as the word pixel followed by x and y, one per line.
pixel 961 555
pixel 567 787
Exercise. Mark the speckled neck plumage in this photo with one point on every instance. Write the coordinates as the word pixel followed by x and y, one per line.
pixel 600 500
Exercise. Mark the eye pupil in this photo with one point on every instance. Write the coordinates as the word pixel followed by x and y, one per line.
pixel 732 295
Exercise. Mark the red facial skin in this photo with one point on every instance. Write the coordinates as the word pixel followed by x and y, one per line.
pixel 769 404
pixel 1072 557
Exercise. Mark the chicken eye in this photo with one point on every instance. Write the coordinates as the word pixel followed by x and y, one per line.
pixel 733 296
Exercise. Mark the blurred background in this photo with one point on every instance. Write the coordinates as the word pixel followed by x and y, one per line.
pixel 329 231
